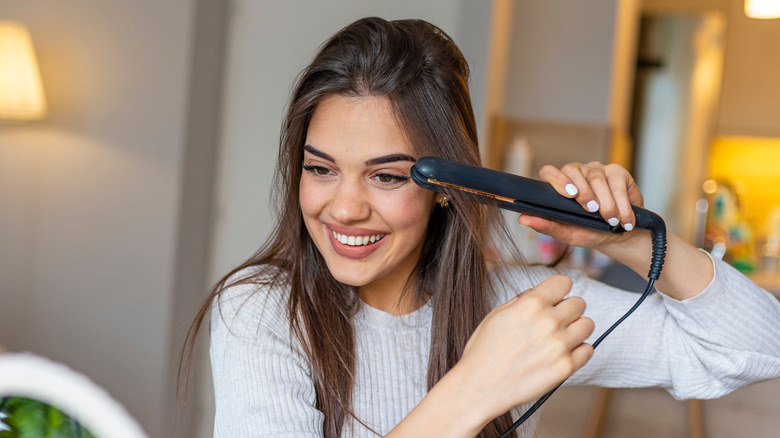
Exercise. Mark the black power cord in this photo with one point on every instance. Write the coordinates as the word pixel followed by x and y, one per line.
pixel 657 228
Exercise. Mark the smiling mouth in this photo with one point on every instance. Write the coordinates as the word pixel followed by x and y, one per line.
pixel 357 240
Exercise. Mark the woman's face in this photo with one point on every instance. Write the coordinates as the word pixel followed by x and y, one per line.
pixel 365 215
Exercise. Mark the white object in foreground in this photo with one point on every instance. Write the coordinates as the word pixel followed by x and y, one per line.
pixel 30 376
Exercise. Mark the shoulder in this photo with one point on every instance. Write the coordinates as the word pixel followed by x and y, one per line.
pixel 253 300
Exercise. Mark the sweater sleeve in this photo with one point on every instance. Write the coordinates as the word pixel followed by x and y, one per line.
pixel 726 337
pixel 262 382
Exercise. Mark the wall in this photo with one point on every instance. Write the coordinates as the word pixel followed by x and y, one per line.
pixel 560 61
pixel 91 199
pixel 17 189
pixel 750 98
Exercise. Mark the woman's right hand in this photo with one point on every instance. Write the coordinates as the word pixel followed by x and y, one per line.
pixel 519 352
pixel 526 347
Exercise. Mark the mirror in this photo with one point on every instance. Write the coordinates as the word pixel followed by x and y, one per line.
pixel 39 397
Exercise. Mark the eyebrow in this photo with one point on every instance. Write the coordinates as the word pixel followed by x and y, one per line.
pixel 318 153
pixel 389 159
pixel 370 162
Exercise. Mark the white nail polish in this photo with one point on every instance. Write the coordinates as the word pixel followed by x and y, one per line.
pixel 571 189
pixel 613 221
pixel 628 227
pixel 592 206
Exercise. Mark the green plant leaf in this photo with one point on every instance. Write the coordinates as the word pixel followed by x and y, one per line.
pixel 31 420
pixel 26 418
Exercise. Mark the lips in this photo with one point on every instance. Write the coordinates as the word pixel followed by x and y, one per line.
pixel 354 243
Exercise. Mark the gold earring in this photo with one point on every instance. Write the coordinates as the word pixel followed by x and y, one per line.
pixel 444 201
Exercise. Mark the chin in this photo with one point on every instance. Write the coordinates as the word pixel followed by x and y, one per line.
pixel 351 280
pixel 349 276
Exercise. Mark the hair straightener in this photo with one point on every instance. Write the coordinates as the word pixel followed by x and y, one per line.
pixel 536 198
pixel 516 193
pixel 527 196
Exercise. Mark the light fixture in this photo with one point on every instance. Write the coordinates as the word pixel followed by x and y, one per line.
pixel 763 9
pixel 21 90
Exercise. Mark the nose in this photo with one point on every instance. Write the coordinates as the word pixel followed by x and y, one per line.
pixel 350 202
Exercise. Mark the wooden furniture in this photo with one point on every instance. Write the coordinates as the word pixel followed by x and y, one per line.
pixel 597 417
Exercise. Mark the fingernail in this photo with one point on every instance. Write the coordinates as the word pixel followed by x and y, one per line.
pixel 571 189
pixel 613 221
pixel 592 206
pixel 628 227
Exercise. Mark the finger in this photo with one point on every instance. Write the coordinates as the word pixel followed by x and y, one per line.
pixel 569 310
pixel 619 184
pixel 585 196
pixel 579 330
pixel 581 355
pixel 544 226
pixel 559 180
pixel 597 177
pixel 552 290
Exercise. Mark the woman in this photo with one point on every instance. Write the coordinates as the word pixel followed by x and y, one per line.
pixel 372 309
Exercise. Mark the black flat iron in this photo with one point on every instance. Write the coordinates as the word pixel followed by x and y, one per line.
pixel 517 193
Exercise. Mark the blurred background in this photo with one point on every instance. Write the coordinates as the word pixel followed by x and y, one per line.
pixel 141 173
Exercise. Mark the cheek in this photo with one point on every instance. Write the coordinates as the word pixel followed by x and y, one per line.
pixel 411 212
pixel 311 200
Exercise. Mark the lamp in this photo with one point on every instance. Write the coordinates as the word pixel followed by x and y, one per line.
pixel 21 90
pixel 763 9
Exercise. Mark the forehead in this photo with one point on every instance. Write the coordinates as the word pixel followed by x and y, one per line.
pixel 357 128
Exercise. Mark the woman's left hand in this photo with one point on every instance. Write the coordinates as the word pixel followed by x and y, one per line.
pixel 608 189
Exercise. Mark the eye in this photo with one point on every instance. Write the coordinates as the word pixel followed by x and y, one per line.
pixel 389 179
pixel 317 170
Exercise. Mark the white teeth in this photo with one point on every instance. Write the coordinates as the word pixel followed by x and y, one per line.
pixel 357 240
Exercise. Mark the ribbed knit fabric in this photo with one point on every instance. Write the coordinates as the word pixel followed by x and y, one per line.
pixel 724 338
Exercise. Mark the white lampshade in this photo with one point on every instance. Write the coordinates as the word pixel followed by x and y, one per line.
pixel 21 90
pixel 762 8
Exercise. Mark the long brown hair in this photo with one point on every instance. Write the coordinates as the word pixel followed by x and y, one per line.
pixel 420 70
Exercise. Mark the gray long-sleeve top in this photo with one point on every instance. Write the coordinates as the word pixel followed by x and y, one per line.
pixel 704 347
